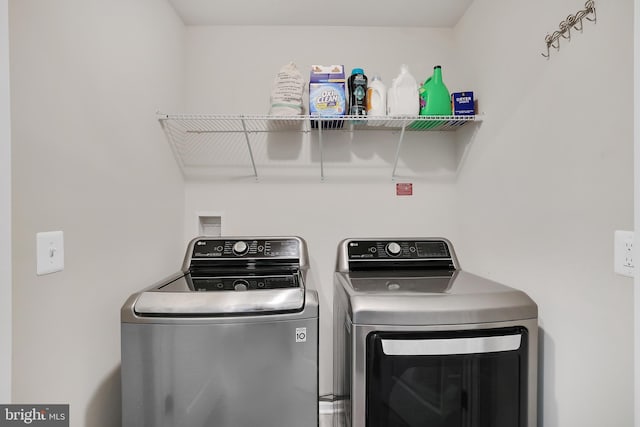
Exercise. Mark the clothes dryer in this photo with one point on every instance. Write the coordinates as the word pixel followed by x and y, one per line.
pixel 419 342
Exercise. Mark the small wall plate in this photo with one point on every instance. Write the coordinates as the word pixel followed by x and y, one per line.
pixel 49 252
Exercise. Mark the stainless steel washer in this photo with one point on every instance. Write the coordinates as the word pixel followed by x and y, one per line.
pixel 419 342
pixel 229 341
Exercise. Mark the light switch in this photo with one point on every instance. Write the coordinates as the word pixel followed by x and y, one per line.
pixel 49 252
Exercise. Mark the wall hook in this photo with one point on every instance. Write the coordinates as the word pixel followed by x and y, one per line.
pixel 578 21
pixel 565 30
pixel 591 8
pixel 572 21
pixel 556 40
pixel 548 41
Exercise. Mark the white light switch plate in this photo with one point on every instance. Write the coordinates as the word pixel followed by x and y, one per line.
pixel 623 253
pixel 49 252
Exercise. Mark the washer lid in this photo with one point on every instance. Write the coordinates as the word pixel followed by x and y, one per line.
pixel 178 298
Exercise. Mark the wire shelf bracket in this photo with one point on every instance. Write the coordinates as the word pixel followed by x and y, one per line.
pixel 246 137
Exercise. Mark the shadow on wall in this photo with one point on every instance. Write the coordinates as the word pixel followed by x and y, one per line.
pixel 428 154
pixel 105 406
pixel 284 146
pixel 546 351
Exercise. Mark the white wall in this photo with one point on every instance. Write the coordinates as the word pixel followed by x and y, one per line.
pixel 89 158
pixel 636 180
pixel 5 208
pixel 230 70
pixel 546 182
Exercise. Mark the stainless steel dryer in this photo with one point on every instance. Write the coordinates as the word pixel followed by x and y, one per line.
pixel 229 341
pixel 418 342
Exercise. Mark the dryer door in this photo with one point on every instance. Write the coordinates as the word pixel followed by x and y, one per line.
pixel 447 379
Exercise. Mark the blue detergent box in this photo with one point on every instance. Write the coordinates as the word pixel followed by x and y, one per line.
pixel 327 91
pixel 463 104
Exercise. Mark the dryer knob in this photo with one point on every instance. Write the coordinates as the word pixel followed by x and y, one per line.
pixel 240 248
pixel 393 249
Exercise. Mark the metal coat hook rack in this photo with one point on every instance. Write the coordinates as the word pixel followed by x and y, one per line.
pixel 572 22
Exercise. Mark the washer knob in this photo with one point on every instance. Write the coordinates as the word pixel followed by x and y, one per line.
pixel 240 285
pixel 393 249
pixel 240 248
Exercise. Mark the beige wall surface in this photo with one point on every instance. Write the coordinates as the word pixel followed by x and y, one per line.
pixel 636 180
pixel 90 159
pixel 5 208
pixel 547 181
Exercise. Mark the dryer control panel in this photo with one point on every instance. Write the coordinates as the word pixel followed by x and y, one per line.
pixel 374 254
pixel 398 249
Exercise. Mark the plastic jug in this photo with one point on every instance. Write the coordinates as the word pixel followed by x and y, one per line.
pixel 376 97
pixel 435 97
pixel 402 96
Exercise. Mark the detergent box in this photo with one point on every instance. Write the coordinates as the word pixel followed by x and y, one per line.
pixel 327 91
pixel 463 104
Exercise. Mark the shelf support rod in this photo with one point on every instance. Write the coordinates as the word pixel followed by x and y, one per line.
pixel 246 136
pixel 173 141
pixel 395 162
pixel 319 122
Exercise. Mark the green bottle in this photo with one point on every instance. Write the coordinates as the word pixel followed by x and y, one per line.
pixel 435 97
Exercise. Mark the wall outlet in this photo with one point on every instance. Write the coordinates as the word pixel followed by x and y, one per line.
pixel 623 258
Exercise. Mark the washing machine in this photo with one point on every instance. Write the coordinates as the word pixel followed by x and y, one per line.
pixel 419 342
pixel 229 341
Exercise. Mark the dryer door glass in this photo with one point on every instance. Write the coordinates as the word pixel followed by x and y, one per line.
pixel 447 379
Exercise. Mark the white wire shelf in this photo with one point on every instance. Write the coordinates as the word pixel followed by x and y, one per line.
pixel 191 135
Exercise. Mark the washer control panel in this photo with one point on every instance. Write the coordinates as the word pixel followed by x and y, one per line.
pixel 225 248
pixel 245 283
pixel 398 249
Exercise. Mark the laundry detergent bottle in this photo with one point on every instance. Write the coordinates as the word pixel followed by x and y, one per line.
pixel 402 96
pixel 358 93
pixel 376 97
pixel 435 97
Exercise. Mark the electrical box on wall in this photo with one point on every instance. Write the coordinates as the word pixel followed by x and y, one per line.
pixel 209 224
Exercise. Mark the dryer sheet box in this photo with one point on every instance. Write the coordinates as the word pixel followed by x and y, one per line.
pixel 463 103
